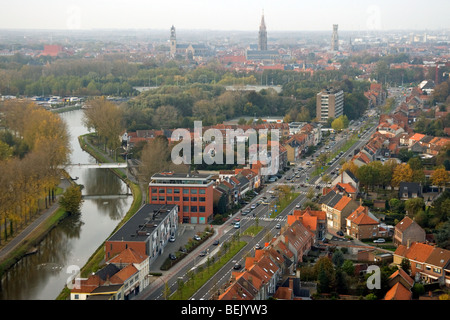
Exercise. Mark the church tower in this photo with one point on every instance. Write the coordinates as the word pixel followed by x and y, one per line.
pixel 335 38
pixel 262 39
pixel 173 42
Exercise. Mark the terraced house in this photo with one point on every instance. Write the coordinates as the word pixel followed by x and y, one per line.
pixel 429 264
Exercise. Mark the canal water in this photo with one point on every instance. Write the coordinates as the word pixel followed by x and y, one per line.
pixel 67 247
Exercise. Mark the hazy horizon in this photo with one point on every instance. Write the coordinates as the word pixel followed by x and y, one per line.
pixel 231 15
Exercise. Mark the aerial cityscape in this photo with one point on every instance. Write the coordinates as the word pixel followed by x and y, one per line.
pixel 203 153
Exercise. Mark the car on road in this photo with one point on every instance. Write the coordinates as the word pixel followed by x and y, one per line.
pixel 246 212
pixel 172 239
pixel 203 253
pixel 278 226
pixel 216 242
pixel 197 237
pixel 257 246
pixel 237 266
pixel 379 240
pixel 237 225
pixel 253 206
pixel 298 205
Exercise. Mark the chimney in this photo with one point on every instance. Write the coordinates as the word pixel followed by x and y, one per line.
pixel 408 243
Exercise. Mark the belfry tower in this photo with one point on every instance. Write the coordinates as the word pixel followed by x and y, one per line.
pixel 335 38
pixel 262 39
pixel 173 42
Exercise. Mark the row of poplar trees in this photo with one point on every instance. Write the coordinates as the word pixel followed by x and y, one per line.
pixel 34 143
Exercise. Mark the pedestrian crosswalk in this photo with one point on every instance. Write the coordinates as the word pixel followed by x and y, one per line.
pixel 305 185
pixel 265 218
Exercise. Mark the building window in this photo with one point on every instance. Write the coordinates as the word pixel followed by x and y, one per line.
pixel 193 209
pixel 169 198
pixel 202 209
pixel 193 191
pixel 185 191
pixel 185 198
pixel 154 198
pixel 169 191
pixel 202 191
pixel 161 190
pixel 162 198
pixel 154 190
pixel 176 190
pixel 185 208
pixel 193 198
pixel 176 198
pixel 437 270
pixel 418 266
pixel 202 199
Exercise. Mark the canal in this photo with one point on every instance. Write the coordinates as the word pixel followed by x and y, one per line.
pixel 43 275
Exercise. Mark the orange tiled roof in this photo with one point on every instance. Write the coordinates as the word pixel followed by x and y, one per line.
pixel 342 203
pixel 347 187
pixel 128 256
pixel 417 137
pixel 360 217
pixel 124 274
pixel 398 292
pixel 417 251
pixel 402 273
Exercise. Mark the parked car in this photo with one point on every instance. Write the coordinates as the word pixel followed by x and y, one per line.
pixel 253 206
pixel 172 256
pixel 237 225
pixel 340 233
pixel 245 212
pixel 197 237
pixel 379 240
pixel 172 239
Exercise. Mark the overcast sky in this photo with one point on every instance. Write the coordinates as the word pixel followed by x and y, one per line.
pixel 280 15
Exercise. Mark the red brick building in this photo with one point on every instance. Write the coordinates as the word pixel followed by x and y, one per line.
pixel 193 193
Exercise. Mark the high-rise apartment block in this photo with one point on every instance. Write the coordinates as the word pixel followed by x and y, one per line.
pixel 329 104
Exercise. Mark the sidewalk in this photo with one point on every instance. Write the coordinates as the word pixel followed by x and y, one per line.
pixel 18 239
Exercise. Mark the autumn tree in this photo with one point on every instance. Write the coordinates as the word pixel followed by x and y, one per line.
pixel 402 173
pixel 413 206
pixel 106 118
pixel 350 166
pixel 440 177
pixel 70 201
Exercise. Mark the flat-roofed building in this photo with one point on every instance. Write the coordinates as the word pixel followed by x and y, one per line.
pixel 147 232
pixel 191 192
pixel 329 104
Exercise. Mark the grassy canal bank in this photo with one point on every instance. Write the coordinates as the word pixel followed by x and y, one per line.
pixel 96 261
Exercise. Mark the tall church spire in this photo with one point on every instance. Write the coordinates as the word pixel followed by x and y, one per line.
pixel 262 39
